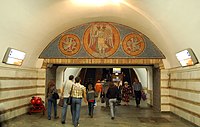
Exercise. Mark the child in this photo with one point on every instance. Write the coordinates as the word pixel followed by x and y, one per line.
pixel 91 100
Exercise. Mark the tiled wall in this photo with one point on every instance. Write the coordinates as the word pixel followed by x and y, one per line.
pixel 17 86
pixel 156 89
pixel 180 92
pixel 149 97
pixel 165 106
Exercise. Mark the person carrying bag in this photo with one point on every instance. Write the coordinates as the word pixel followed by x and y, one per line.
pixel 52 99
pixel 66 96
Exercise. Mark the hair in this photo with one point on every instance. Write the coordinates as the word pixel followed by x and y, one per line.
pixel 136 80
pixel 90 87
pixel 111 84
pixel 125 82
pixel 51 83
pixel 77 79
pixel 71 77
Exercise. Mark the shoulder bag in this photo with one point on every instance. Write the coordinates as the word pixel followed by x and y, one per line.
pixel 55 95
pixel 61 102
pixel 69 101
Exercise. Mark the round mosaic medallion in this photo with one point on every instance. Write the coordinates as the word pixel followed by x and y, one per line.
pixel 133 44
pixel 101 40
pixel 69 44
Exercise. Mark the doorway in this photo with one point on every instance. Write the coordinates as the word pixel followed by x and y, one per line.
pixel 93 73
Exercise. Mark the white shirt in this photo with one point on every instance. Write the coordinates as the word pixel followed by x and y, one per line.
pixel 67 88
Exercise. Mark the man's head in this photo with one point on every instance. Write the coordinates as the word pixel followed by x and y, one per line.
pixel 71 77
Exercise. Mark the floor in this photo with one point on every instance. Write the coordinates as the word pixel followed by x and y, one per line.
pixel 126 116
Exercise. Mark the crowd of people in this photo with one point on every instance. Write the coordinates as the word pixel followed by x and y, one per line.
pixel 108 92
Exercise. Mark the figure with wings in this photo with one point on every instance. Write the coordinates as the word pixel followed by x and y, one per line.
pixel 101 37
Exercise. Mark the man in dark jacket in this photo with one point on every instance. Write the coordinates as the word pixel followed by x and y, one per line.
pixel 112 94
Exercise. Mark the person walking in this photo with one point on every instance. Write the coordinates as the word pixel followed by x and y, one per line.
pixel 51 100
pixel 98 89
pixel 105 89
pixel 126 92
pixel 78 92
pixel 137 87
pixel 90 99
pixel 65 93
pixel 112 94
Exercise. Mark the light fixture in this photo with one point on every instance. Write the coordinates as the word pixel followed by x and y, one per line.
pixel 95 2
pixel 186 57
pixel 13 57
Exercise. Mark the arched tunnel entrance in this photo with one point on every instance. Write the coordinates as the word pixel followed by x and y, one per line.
pixel 104 44
pixel 149 76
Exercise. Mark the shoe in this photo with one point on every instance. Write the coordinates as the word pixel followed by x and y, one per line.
pixel 112 118
pixel 63 122
pixel 138 106
pixel 49 118
pixel 77 125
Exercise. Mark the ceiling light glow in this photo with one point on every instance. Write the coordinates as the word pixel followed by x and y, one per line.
pixel 95 2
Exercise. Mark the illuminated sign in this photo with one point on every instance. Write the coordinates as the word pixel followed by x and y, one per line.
pixel 14 57
pixel 116 70
pixel 186 57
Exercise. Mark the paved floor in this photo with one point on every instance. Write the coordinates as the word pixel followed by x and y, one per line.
pixel 126 116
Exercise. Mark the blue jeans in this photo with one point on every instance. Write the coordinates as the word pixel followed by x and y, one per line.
pixel 50 102
pixel 90 108
pixel 76 108
pixel 64 110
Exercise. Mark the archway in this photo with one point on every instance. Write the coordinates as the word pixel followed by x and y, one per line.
pixel 152 88
pixel 104 44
